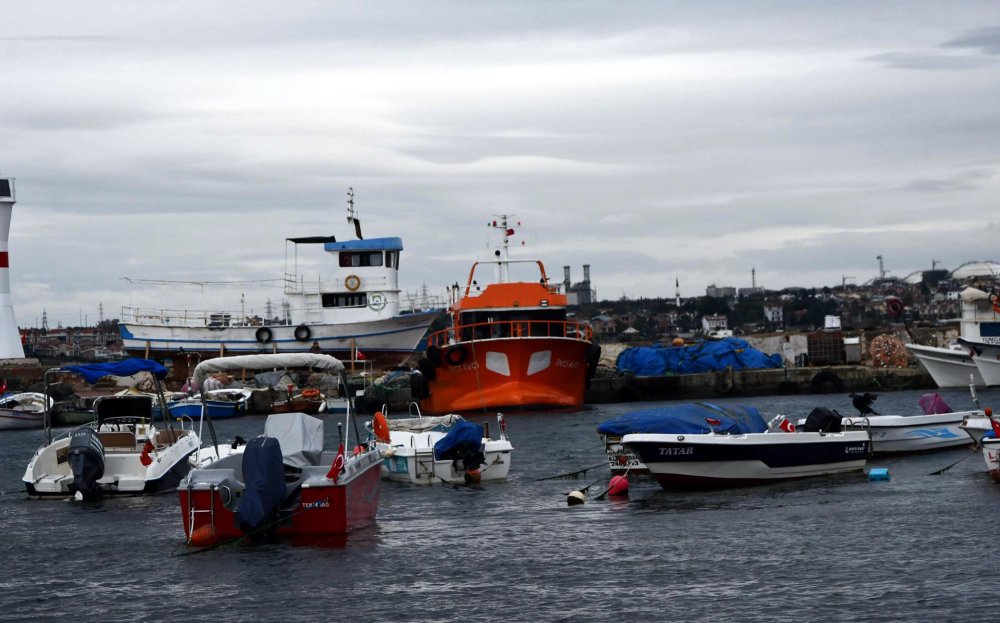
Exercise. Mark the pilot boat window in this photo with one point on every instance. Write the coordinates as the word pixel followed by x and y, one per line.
pixel 351 259
pixel 338 299
pixel 392 259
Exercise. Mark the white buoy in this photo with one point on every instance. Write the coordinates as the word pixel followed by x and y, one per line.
pixel 10 337
pixel 575 497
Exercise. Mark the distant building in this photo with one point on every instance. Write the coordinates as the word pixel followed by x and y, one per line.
pixel 714 323
pixel 716 292
pixel 774 313
pixel 748 292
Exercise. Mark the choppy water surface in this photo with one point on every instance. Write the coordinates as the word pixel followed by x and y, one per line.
pixel 916 548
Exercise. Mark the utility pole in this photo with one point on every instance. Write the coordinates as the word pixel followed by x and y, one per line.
pixel 881 268
pixel 934 264
pixel 843 280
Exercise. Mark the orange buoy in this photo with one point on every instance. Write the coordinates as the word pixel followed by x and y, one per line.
pixel 312 392
pixel 381 427
pixel 205 536
pixel 472 476
pixel 618 485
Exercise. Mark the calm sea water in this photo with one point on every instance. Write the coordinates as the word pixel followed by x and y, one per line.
pixel 916 548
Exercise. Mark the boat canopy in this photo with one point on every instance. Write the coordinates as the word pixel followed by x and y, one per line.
pixel 371 244
pixel 690 418
pixel 705 356
pixel 324 363
pixel 93 372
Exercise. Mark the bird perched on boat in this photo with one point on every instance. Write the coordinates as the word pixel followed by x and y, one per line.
pixel 863 403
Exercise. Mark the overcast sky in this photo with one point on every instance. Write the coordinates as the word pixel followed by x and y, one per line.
pixel 652 140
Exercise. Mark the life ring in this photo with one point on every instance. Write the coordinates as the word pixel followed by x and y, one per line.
pixel 380 426
pixel 312 392
pixel 263 335
pixel 456 355
pixel 352 282
pixel 302 333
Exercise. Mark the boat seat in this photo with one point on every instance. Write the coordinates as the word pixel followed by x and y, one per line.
pixel 169 436
pixel 117 440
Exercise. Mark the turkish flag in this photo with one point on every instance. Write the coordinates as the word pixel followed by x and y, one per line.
pixel 144 458
pixel 359 355
pixel 712 421
pixel 996 427
pixel 338 465
pixel 787 426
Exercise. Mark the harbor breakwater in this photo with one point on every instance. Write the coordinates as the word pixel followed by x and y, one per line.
pixel 737 383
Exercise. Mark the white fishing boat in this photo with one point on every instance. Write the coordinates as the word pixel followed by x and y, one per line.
pixel 952 366
pixel 719 451
pixel 937 428
pixel 354 304
pixel 447 448
pixel 985 353
pixel 23 410
pixel 122 452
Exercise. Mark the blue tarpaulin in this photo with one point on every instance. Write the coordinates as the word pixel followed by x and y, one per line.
pixel 708 356
pixel 461 434
pixel 688 418
pixel 93 372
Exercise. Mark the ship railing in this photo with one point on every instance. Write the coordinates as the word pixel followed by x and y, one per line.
pixel 196 318
pixel 501 329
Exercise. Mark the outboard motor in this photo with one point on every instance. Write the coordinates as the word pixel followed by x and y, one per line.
pixel 822 420
pixel 86 460
pixel 264 477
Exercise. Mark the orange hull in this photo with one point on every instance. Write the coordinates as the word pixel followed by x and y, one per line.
pixel 509 372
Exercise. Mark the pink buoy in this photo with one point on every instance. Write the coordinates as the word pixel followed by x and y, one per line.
pixel 618 485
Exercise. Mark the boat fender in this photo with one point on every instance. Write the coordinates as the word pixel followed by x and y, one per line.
pixel 312 392
pixel 825 382
pixel 352 282
pixel 473 476
pixel 263 335
pixel 205 536
pixel 302 333
pixel 618 485
pixel 380 426
pixel 433 355
pixel 575 498
pixel 456 355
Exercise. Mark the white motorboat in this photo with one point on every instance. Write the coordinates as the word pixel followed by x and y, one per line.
pixel 936 429
pixel 23 410
pixel 447 448
pixel 952 366
pixel 355 305
pixel 622 461
pixel 699 455
pixel 122 452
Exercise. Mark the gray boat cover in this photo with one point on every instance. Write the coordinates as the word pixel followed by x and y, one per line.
pixel 316 362
pixel 300 437
pixel 421 424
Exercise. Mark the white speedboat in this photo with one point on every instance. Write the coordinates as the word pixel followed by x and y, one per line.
pixel 23 410
pixel 121 452
pixel 952 366
pixel 937 428
pixel 355 305
pixel 711 459
pixel 449 449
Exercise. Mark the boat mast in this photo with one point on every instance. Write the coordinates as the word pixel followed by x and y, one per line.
pixel 503 254
pixel 351 217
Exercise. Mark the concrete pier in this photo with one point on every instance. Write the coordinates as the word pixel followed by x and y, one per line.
pixel 730 383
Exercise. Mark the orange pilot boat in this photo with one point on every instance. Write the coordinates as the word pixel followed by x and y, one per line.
pixel 510 345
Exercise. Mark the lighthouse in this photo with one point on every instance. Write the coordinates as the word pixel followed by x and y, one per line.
pixel 10 338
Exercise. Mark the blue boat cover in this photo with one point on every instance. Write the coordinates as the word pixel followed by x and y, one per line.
pixel 93 372
pixel 264 476
pixel 462 434
pixel 688 418
pixel 701 357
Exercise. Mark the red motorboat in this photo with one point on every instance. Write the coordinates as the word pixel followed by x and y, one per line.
pixel 282 483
